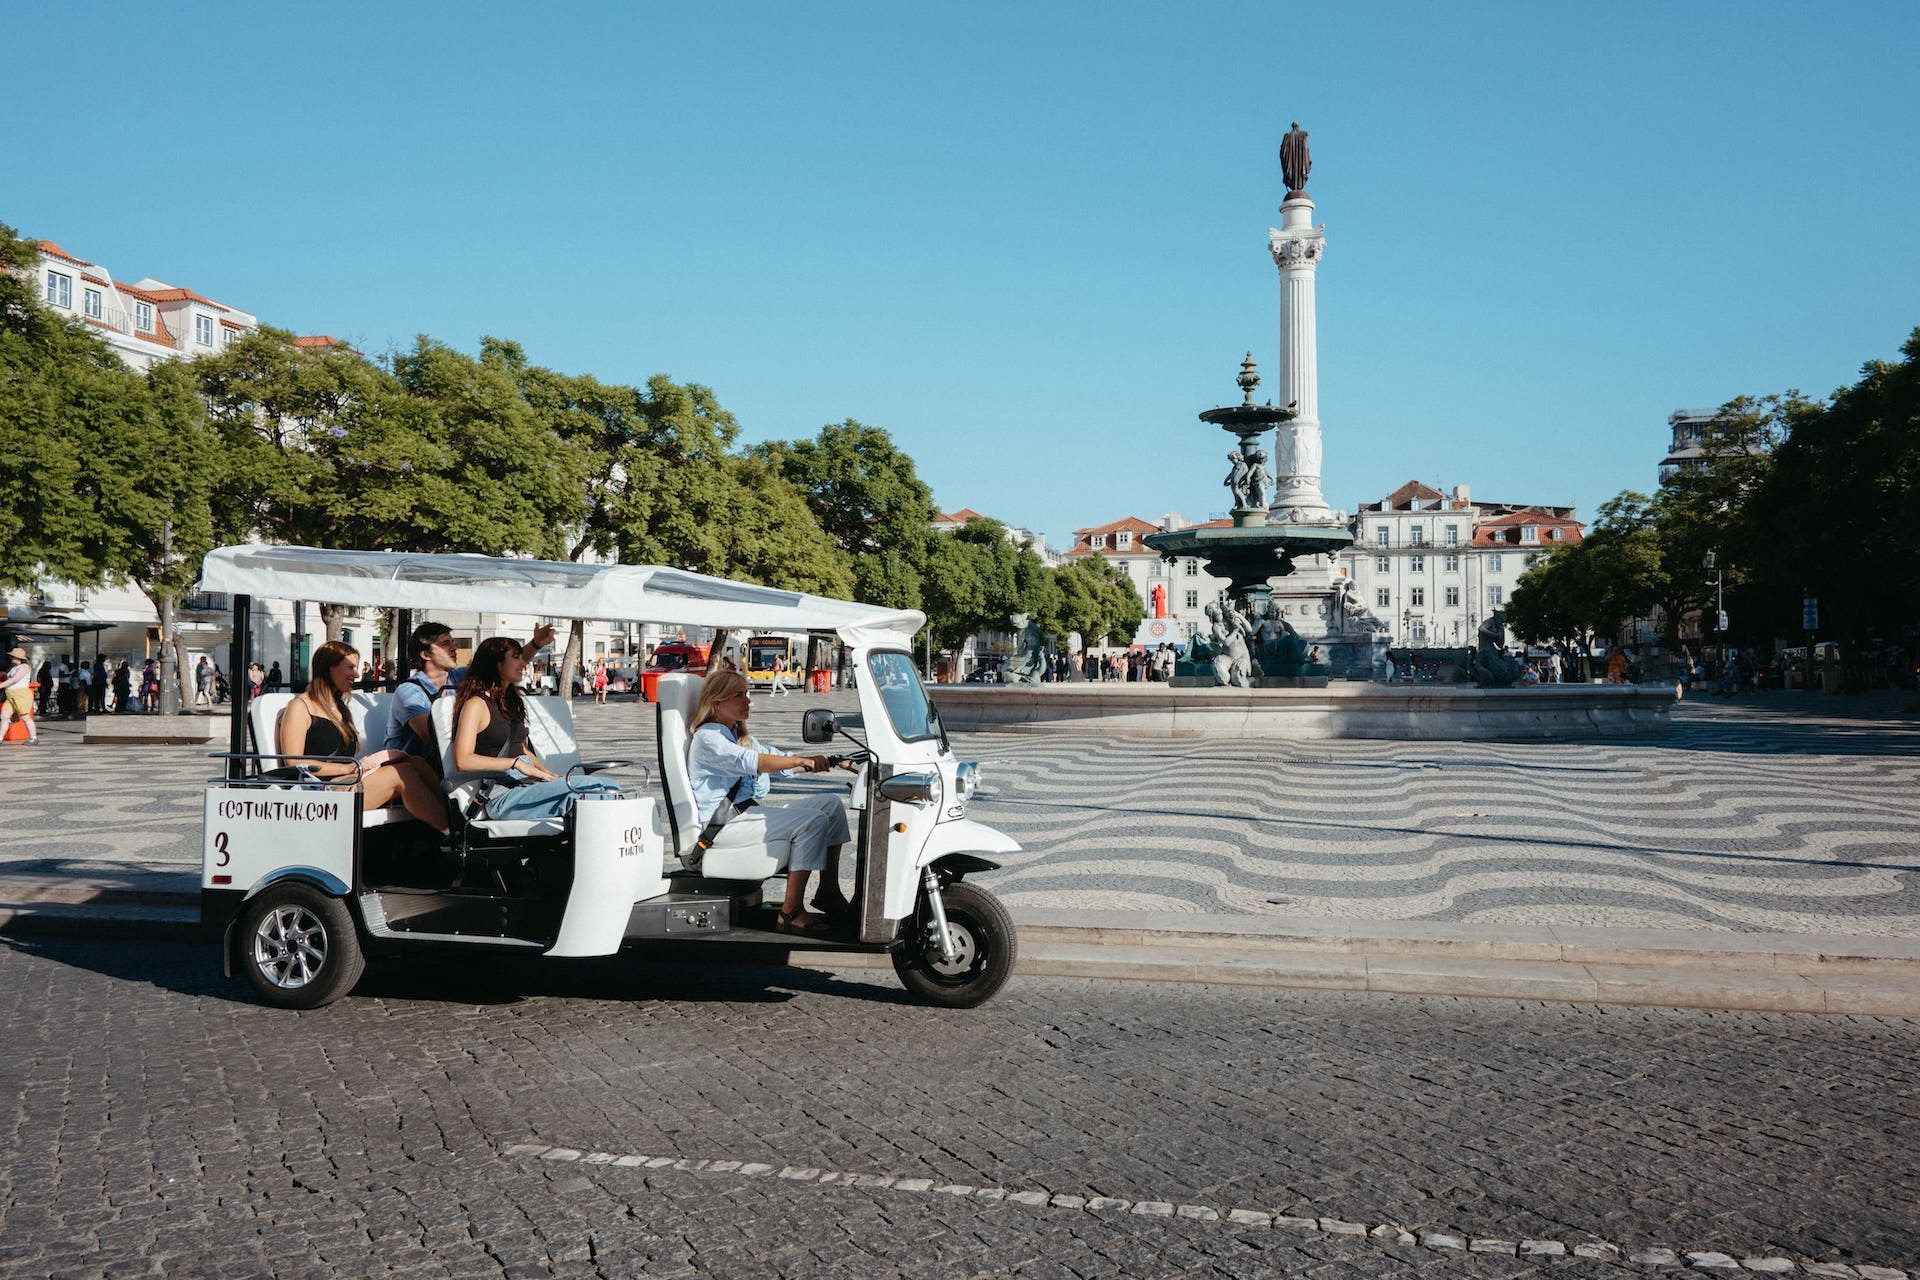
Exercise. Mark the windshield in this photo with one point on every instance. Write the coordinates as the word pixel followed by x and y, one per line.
pixel 905 698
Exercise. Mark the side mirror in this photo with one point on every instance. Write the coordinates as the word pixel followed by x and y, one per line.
pixel 817 726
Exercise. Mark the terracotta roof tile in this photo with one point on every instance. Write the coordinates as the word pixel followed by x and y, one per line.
pixel 53 250
pixel 182 295
pixel 961 516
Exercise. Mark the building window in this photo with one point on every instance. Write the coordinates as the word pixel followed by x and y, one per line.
pixel 1382 565
pixel 91 300
pixel 1493 563
pixel 1529 533
pixel 59 290
pixel 1416 535
pixel 1453 597
pixel 1493 596
pixel 1557 534
pixel 1193 568
pixel 1419 633
pixel 1417 564
pixel 1193 599
pixel 1123 540
pixel 227 336
pixel 143 316
pixel 1098 542
pixel 203 330
pixel 1383 534
pixel 1417 597
pixel 1453 535
pixel 1452 564
pixel 1383 599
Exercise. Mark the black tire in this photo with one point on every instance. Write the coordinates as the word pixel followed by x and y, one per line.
pixel 297 945
pixel 988 947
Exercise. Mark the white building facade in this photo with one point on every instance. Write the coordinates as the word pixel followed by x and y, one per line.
pixel 1433 566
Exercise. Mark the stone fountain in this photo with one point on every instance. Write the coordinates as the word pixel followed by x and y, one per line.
pixel 1249 644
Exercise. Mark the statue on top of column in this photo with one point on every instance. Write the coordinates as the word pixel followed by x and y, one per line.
pixel 1295 160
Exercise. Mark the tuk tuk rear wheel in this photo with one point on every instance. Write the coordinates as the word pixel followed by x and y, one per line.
pixel 984 942
pixel 297 946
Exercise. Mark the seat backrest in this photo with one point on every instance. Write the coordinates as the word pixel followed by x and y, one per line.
pixel 263 717
pixel 370 712
pixel 550 732
pixel 443 737
pixel 678 694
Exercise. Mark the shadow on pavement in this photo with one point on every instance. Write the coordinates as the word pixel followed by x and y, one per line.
pixel 193 969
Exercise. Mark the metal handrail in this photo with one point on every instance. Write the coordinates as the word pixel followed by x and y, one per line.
pixel 310 780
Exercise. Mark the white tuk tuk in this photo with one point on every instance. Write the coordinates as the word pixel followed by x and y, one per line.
pixel 308 883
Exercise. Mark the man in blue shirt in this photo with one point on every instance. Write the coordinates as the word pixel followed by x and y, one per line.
pixel 410 719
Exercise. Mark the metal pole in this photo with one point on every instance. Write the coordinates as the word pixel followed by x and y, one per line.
pixel 239 653
pixel 295 678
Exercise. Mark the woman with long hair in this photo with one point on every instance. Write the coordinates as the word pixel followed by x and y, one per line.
pixel 319 722
pixel 724 761
pixel 490 736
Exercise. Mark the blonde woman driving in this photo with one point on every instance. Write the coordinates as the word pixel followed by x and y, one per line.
pixel 724 761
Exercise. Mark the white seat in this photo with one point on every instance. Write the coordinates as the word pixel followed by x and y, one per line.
pixel 679 694
pixel 264 712
pixel 463 788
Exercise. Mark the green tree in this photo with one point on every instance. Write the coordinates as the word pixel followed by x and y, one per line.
pixel 865 493
pixel 58 382
pixel 977 579
pixel 515 483
pixel 1838 513
pixel 1098 600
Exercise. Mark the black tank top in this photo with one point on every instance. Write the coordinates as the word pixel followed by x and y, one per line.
pixel 501 737
pixel 325 739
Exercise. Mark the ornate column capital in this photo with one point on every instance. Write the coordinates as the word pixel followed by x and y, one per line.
pixel 1296 247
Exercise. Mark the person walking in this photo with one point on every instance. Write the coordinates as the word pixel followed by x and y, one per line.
pixel 779 675
pixel 203 682
pixel 16 695
pixel 600 682
pixel 83 689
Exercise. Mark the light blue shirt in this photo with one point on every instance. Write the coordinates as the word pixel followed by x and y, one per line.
pixel 716 763
pixel 412 699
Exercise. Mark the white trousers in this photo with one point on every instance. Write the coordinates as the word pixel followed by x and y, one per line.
pixel 795 831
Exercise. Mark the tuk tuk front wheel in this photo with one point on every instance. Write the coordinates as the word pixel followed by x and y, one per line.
pixel 297 946
pixel 984 950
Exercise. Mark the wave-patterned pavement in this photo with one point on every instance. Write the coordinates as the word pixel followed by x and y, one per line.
pixel 1756 817
pixel 1738 821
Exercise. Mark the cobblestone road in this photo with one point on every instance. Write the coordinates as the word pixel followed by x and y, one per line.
pixel 155 1121
pixel 1772 815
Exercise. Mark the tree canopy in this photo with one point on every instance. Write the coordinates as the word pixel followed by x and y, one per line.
pixel 864 492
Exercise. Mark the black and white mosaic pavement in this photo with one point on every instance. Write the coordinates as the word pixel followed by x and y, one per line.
pixel 1771 816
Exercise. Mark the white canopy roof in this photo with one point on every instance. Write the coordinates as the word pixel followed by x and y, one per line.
pixel 544 588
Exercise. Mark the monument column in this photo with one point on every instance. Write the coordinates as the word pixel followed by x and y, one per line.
pixel 1296 245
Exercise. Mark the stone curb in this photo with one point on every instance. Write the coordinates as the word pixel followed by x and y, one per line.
pixel 1690 969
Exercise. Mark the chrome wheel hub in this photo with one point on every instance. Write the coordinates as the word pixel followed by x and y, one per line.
pixel 964 950
pixel 290 947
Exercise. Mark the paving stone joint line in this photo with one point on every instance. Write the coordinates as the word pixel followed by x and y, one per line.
pixel 1655 1257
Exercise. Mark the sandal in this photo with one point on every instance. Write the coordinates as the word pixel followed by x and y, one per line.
pixel 799 922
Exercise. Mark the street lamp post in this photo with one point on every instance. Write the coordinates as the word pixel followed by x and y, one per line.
pixel 1711 564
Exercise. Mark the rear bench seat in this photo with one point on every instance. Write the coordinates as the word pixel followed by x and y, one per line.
pixel 368 710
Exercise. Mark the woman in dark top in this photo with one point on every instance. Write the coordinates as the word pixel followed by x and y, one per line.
pixel 490 736
pixel 318 721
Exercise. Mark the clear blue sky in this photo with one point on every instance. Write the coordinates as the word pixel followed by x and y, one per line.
pixel 1030 240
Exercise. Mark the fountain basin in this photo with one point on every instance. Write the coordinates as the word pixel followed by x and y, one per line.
pixel 1347 709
